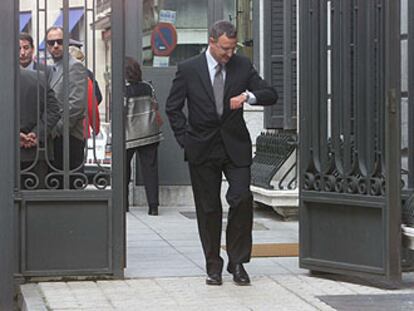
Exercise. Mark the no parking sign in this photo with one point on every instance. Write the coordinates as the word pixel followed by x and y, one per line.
pixel 163 39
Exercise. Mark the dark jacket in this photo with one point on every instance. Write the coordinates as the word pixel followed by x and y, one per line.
pixel 200 130
pixel 31 110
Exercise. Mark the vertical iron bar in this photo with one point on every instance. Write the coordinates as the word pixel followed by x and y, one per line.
pixel 118 134
pixel 410 94
pixel 367 163
pixel 287 72
pixel 132 45
pixel 305 109
pixel 304 116
pixel 362 83
pixel 337 100
pixel 87 129
pixel 8 83
pixel 346 85
pixel 314 91
pixel 382 99
pixel 392 94
pixel 66 150
pixel 323 86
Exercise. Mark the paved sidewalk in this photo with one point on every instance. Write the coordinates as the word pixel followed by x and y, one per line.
pixel 166 272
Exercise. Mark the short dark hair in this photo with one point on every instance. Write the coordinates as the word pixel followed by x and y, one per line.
pixel 223 27
pixel 133 71
pixel 26 37
pixel 54 28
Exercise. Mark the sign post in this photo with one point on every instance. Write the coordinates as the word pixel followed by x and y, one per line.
pixel 163 43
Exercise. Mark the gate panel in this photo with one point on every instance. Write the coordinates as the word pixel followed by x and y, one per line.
pixel 67 244
pixel 349 176
pixel 71 219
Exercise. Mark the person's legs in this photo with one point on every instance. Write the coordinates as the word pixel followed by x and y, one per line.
pixel 240 216
pixel 76 162
pixel 129 156
pixel 148 157
pixel 206 183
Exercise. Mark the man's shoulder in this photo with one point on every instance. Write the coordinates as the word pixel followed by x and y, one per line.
pixel 32 73
pixel 31 77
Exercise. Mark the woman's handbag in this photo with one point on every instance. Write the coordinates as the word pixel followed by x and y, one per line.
pixel 143 120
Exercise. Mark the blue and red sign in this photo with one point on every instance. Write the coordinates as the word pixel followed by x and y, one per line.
pixel 163 39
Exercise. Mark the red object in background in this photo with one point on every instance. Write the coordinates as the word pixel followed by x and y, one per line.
pixel 89 122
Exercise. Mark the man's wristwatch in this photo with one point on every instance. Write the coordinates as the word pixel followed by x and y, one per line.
pixel 247 96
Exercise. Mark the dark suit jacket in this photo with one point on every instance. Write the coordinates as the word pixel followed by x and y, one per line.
pixel 47 70
pixel 30 110
pixel 199 132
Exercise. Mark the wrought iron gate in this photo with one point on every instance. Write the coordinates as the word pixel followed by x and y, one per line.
pixel 350 178
pixel 69 223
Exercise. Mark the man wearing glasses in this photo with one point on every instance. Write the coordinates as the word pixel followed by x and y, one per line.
pixel 77 102
pixel 216 85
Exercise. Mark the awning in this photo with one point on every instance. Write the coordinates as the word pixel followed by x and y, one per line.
pixel 75 14
pixel 25 17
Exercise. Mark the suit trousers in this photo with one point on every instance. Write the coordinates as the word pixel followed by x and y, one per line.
pixel 148 159
pixel 206 180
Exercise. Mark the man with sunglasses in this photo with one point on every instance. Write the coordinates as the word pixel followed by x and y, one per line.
pixel 76 101
pixel 216 85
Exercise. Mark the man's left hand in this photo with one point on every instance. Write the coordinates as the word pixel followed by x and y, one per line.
pixel 237 101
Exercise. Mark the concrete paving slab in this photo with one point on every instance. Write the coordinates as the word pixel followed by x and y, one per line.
pixel 165 271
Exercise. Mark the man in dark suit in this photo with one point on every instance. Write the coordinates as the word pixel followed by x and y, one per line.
pixel 216 84
pixel 26 51
pixel 26 55
pixel 37 120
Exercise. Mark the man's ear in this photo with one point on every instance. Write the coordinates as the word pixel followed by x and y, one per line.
pixel 211 40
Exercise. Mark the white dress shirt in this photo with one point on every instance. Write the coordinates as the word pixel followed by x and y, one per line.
pixel 212 63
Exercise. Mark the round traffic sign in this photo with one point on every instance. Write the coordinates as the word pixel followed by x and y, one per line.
pixel 163 39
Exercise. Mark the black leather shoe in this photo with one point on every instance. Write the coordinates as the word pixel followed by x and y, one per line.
pixel 153 210
pixel 240 276
pixel 214 279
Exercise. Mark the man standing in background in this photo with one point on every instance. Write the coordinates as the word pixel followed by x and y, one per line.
pixel 26 51
pixel 77 90
pixel 34 136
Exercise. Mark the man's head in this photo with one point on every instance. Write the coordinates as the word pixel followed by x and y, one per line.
pixel 54 41
pixel 222 41
pixel 26 49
